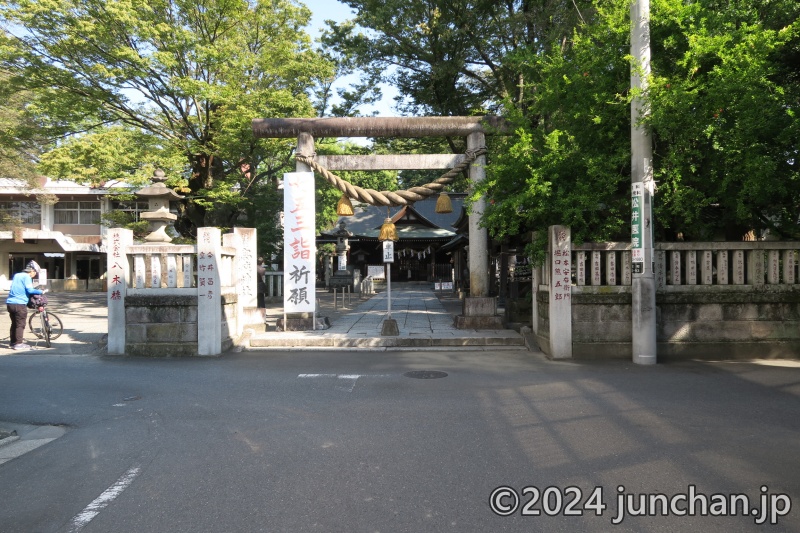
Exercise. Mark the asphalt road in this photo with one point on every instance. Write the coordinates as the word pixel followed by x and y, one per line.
pixel 346 442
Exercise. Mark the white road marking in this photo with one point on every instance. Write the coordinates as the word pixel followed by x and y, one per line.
pixel 353 378
pixel 101 502
pixel 350 377
pixel 344 376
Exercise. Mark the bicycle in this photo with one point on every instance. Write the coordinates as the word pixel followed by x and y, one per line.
pixel 48 327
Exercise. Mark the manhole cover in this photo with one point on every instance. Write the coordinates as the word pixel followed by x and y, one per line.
pixel 425 374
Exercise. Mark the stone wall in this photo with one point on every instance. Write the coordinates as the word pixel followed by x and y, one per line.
pixel 160 325
pixel 701 324
pixel 166 325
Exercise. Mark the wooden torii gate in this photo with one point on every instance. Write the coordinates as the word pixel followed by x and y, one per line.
pixel 480 310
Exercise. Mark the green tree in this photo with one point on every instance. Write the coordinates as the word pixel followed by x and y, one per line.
pixel 725 97
pixel 167 83
pixel 451 58
pixel 21 142
pixel 568 160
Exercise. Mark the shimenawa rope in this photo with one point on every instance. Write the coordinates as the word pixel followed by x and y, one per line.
pixel 391 198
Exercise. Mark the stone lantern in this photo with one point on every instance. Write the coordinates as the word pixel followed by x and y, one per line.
pixel 342 245
pixel 341 276
pixel 158 197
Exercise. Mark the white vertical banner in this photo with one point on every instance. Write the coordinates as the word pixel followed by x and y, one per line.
pixel 299 250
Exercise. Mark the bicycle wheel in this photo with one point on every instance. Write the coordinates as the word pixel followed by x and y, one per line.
pixel 55 326
pixel 37 327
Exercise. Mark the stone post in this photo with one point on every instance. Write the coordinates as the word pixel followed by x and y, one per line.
pixel 209 298
pixel 478 237
pixel 246 276
pixel 560 248
pixel 117 260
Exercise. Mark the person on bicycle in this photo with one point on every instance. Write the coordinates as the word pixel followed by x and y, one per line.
pixel 17 303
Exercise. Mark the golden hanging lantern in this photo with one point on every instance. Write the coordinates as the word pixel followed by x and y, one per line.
pixel 443 203
pixel 388 231
pixel 344 207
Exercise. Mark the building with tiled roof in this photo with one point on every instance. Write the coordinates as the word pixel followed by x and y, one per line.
pixel 421 253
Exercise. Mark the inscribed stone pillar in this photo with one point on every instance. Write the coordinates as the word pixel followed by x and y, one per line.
pixel 117 260
pixel 560 247
pixel 209 299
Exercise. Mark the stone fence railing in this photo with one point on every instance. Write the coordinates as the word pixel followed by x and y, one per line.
pixel 274 283
pixel 713 299
pixel 682 265
pixel 180 299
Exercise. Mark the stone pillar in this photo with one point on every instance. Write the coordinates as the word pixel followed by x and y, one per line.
pixel 478 237
pixel 234 318
pixel 246 275
pixel 560 248
pixel 118 267
pixel 305 145
pixel 479 309
pixel 209 298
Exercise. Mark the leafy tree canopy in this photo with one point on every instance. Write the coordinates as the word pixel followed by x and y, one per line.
pixel 723 95
pixel 174 84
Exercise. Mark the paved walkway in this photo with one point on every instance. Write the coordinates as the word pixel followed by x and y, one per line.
pixel 84 316
pixel 424 320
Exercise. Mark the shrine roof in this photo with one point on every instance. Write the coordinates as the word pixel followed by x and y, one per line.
pixel 417 221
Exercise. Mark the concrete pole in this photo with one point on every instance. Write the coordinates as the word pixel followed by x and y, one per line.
pixel 478 237
pixel 644 282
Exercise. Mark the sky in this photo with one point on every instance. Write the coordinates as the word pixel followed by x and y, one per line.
pixel 334 10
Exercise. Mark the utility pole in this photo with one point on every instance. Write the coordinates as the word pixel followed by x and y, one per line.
pixel 642 187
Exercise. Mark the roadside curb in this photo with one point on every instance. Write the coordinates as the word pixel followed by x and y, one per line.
pixel 8 440
pixel 26 438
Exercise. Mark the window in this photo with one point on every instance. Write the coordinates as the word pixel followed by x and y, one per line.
pixel 135 208
pixel 26 212
pixel 77 213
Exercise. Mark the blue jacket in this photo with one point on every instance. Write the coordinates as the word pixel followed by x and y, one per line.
pixel 21 289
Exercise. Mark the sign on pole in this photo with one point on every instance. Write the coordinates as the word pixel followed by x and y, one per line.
pixel 388 251
pixel 637 227
pixel 299 250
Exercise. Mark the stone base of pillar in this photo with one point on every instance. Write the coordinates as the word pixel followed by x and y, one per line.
pixel 479 313
pixel 478 322
pixel 303 324
pixel 389 328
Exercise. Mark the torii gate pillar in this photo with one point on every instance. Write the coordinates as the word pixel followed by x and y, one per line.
pixel 479 310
